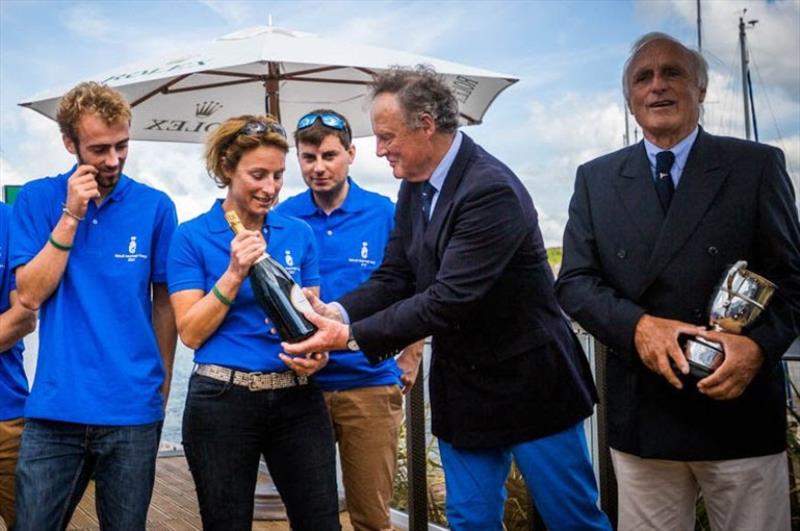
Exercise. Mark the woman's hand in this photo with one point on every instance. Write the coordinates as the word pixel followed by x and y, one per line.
pixel 305 365
pixel 246 248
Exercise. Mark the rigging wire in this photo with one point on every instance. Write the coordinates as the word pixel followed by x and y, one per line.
pixel 730 96
pixel 764 91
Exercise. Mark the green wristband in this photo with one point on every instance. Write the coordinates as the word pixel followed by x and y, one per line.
pixel 222 298
pixel 59 246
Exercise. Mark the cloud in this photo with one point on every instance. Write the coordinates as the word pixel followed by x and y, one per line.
pixel 391 26
pixel 791 149
pixel 41 151
pixel 9 174
pixel 364 22
pixel 86 21
pixel 555 68
pixel 235 13
pixel 560 135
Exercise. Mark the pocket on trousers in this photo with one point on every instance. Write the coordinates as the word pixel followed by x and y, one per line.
pixel 203 387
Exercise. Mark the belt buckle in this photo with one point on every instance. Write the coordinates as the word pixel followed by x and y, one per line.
pixel 253 383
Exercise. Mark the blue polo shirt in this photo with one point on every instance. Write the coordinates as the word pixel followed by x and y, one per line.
pixel 351 241
pixel 13 384
pixel 198 257
pixel 98 361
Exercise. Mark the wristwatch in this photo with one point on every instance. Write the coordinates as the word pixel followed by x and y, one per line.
pixel 352 344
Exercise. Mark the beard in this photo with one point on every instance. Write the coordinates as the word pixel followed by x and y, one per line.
pixel 333 193
pixel 106 180
pixel 109 181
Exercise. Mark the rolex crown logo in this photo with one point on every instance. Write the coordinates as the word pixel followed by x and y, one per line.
pixel 207 108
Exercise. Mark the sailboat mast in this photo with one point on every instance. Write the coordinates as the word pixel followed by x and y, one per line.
pixel 745 92
pixel 699 29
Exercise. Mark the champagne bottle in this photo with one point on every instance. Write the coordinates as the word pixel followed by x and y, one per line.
pixel 277 293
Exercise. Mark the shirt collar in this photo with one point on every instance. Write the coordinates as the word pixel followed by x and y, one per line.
pixel 440 173
pixel 680 150
pixel 217 223
pixel 352 203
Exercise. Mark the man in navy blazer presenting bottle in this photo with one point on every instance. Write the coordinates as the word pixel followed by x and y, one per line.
pixel 466 264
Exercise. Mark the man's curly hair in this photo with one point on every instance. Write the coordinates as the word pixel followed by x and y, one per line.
pixel 419 90
pixel 87 98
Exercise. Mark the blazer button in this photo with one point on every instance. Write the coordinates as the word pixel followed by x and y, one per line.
pixel 621 254
pixel 697 313
pixel 713 251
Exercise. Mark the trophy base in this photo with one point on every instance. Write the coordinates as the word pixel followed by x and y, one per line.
pixel 704 356
pixel 699 371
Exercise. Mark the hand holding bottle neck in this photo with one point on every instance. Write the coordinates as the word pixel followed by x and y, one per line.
pixel 247 219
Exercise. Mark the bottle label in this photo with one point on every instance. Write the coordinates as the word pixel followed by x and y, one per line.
pixel 299 300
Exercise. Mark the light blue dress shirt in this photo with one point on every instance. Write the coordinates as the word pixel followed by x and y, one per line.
pixel 680 150
pixel 440 173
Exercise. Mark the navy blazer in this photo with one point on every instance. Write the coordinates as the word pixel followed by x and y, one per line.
pixel 506 366
pixel 624 258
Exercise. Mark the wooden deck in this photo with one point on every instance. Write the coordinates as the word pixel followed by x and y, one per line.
pixel 174 503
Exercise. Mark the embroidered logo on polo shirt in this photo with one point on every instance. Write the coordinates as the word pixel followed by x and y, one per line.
pixel 364 261
pixel 288 259
pixel 132 255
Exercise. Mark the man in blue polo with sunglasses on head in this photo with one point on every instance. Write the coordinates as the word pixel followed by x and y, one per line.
pixel 352 227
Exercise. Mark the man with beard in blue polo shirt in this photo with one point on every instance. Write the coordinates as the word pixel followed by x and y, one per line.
pixel 16 321
pixel 89 249
pixel 352 227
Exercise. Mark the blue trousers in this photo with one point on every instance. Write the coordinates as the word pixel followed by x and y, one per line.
pixel 57 459
pixel 556 469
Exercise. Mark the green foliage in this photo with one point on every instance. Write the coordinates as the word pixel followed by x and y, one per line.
pixel 554 256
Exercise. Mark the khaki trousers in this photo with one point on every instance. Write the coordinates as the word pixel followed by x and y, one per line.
pixel 749 494
pixel 10 435
pixel 367 423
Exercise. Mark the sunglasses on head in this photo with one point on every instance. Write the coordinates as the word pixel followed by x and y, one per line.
pixel 257 128
pixel 327 119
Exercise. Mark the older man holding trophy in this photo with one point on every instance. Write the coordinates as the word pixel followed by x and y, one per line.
pixel 652 229
pixel 740 298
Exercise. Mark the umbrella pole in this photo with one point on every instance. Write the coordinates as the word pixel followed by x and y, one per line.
pixel 271 99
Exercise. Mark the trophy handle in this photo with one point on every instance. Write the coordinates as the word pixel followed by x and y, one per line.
pixel 731 274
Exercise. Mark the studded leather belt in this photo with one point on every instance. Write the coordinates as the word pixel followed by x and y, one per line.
pixel 255 381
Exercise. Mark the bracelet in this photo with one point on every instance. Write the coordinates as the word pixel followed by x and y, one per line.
pixel 59 246
pixel 65 209
pixel 222 298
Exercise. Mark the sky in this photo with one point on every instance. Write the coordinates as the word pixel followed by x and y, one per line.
pixel 566 109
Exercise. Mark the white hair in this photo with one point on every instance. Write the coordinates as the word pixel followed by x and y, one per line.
pixel 696 58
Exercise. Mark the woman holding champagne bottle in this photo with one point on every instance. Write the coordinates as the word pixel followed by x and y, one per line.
pixel 245 399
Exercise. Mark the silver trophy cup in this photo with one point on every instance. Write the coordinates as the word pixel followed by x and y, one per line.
pixel 738 300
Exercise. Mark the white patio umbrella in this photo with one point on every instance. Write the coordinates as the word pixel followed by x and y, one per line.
pixel 267 68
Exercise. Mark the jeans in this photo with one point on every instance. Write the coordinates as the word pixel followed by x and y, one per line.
pixel 57 459
pixel 227 428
